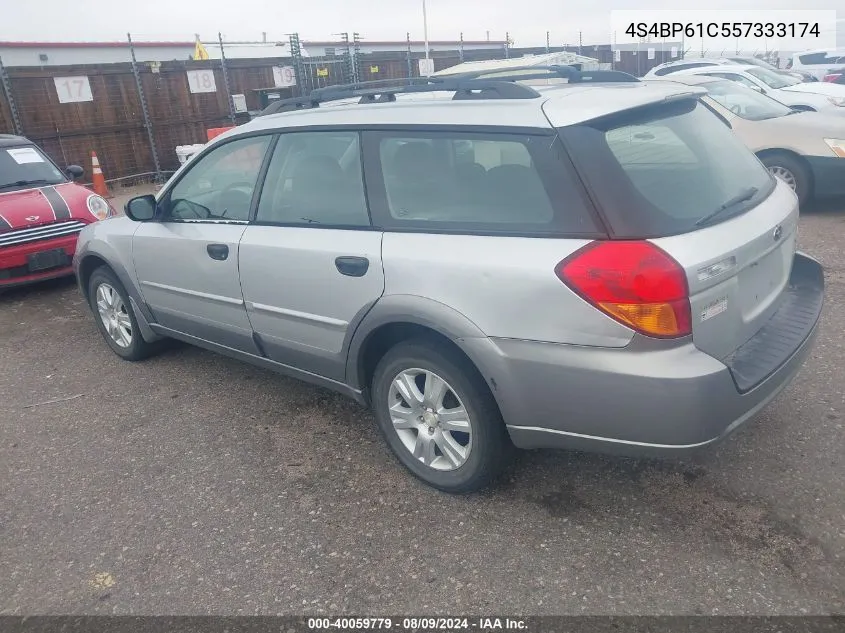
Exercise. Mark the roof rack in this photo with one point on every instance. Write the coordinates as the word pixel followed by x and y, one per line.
pixel 470 85
pixel 522 73
pixel 464 89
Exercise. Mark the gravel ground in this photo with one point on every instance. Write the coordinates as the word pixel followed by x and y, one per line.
pixel 194 484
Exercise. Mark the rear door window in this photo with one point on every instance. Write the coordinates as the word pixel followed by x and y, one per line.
pixel 825 57
pixel 314 179
pixel 812 59
pixel 467 182
pixel 658 170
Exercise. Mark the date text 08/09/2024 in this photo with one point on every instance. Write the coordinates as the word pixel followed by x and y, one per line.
pixel 724 29
pixel 417 624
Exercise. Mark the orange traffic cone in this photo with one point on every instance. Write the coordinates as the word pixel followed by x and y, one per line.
pixel 98 180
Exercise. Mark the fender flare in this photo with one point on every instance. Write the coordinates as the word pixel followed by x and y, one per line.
pixel 103 251
pixel 413 309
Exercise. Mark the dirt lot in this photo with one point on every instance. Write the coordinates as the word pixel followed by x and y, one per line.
pixel 194 484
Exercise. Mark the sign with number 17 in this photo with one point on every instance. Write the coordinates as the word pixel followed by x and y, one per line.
pixel 73 89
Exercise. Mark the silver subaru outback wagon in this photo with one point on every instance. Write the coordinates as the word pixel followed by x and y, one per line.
pixel 599 264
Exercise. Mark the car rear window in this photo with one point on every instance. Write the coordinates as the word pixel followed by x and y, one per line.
pixel 474 182
pixel 658 170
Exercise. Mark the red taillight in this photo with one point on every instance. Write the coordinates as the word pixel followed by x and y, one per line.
pixel 832 77
pixel 636 283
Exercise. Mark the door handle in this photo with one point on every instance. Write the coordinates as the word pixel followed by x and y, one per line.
pixel 218 251
pixel 352 266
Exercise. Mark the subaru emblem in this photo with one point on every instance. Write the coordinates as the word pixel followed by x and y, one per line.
pixel 777 232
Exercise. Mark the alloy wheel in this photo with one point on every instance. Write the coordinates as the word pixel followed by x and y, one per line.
pixel 430 419
pixel 784 174
pixel 114 315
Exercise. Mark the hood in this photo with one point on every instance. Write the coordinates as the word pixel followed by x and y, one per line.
pixel 42 205
pixel 818 87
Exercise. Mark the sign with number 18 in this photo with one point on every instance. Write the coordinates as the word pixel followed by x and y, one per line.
pixel 201 81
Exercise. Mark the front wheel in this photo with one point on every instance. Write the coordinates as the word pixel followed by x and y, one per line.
pixel 792 172
pixel 115 318
pixel 438 417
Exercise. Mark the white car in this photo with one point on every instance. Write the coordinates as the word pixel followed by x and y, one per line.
pixel 689 63
pixel 804 149
pixel 817 96
pixel 818 62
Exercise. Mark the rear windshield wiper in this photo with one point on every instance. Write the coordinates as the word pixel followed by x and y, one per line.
pixel 24 183
pixel 742 196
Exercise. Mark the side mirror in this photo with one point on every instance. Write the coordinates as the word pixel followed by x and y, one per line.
pixel 74 171
pixel 141 209
pixel 758 89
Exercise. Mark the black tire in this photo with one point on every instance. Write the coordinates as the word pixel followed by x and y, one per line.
pixel 138 348
pixel 490 445
pixel 803 181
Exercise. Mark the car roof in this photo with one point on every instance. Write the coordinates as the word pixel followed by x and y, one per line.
pixel 559 104
pixel 9 140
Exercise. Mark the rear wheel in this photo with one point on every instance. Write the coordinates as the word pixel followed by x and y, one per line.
pixel 438 417
pixel 792 172
pixel 115 318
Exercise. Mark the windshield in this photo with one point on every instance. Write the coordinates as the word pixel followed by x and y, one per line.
pixel 26 166
pixel 670 165
pixel 753 61
pixel 744 102
pixel 773 80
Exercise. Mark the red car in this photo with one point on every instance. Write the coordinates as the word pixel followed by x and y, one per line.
pixel 41 213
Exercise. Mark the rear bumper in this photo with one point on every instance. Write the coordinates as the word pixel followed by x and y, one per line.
pixel 828 175
pixel 13 261
pixel 647 399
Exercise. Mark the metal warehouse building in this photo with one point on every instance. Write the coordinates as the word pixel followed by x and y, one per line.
pixel 42 54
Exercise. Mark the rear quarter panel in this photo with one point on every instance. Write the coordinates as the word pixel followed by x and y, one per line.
pixel 506 286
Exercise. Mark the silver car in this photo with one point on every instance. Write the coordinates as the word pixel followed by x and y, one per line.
pixel 598 265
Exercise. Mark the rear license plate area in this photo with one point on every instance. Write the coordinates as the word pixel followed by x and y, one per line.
pixel 761 281
pixel 45 260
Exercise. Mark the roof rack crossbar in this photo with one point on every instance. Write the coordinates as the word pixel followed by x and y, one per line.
pixel 523 73
pixel 364 85
pixel 470 85
pixel 463 88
